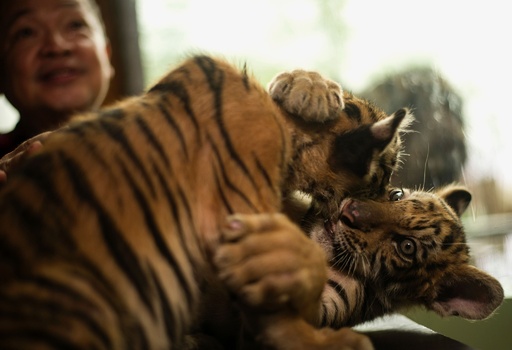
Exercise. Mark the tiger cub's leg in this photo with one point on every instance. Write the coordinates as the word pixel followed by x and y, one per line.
pixel 311 97
pixel 278 277
pixel 269 263
pixel 307 94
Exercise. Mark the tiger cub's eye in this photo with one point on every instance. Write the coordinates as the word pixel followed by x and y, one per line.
pixel 396 195
pixel 408 247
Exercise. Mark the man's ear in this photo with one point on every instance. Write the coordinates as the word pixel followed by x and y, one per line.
pixel 108 49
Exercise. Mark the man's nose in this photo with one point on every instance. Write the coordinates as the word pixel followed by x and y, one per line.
pixel 55 44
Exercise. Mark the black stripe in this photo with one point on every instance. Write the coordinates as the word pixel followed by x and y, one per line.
pixel 263 172
pixel 90 272
pixel 32 221
pixel 82 128
pixel 448 241
pixel 116 132
pixel 436 266
pixel 94 277
pixel 154 230
pixel 49 311
pixel 374 116
pixel 193 234
pixel 185 205
pixel 121 251
pixel 398 116
pixel 179 90
pixel 51 238
pixel 385 269
pixel 91 146
pixel 10 256
pixel 426 221
pixel 57 287
pixel 220 190
pixel 459 248
pixel 335 317
pixel 245 77
pixel 336 311
pixel 353 112
pixel 419 227
pixel 171 325
pixel 40 169
pixel 153 140
pixel 136 339
pixel 404 268
pixel 370 307
pixel 340 291
pixel 172 123
pixel 225 177
pixel 323 321
pixel 215 78
pixel 360 296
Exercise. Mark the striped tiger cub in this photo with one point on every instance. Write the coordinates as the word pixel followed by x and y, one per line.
pixel 385 255
pixel 108 233
pixel 408 249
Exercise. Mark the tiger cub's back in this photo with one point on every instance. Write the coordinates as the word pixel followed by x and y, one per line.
pixel 102 231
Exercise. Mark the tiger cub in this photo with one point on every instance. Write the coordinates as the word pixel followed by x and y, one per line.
pixel 385 255
pixel 367 150
pixel 107 233
pixel 367 166
pixel 406 250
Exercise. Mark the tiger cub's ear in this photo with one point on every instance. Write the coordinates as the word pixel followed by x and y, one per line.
pixel 457 197
pixel 356 149
pixel 307 95
pixel 468 292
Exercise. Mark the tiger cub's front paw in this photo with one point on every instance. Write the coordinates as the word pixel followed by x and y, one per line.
pixel 270 264
pixel 307 94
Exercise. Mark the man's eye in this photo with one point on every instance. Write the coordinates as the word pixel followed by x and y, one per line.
pixel 23 33
pixel 77 24
pixel 396 195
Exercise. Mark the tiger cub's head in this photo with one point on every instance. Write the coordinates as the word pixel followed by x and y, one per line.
pixel 343 145
pixel 410 249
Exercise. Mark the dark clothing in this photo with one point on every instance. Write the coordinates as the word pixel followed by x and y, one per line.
pixel 9 141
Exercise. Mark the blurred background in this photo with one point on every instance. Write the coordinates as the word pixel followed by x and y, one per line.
pixel 448 60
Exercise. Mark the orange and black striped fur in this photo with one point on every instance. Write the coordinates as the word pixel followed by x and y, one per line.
pixel 407 249
pixel 107 233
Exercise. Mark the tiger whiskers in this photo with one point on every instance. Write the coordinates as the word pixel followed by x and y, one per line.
pixel 366 264
pixel 348 263
pixel 343 261
pixel 426 164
